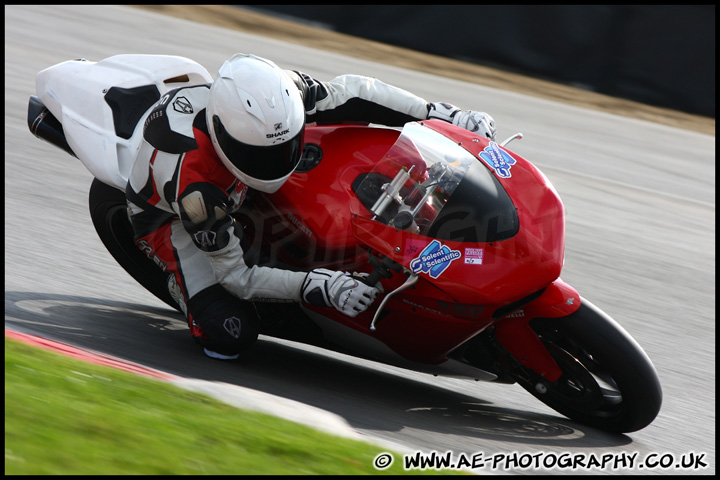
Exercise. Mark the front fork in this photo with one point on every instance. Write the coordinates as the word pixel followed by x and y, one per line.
pixel 514 333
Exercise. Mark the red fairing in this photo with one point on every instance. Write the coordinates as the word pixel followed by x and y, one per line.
pixel 514 333
pixel 523 264
pixel 313 209
pixel 316 213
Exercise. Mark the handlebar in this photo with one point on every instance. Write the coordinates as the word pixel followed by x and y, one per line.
pixel 381 269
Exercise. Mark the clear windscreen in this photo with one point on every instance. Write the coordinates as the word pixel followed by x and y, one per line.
pixel 429 185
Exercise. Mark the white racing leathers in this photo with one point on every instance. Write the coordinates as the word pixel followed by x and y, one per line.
pixel 256 282
pixel 181 196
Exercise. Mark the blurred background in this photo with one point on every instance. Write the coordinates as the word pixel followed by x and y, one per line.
pixel 661 55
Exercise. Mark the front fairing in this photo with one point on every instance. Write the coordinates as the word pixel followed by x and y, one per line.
pixel 478 222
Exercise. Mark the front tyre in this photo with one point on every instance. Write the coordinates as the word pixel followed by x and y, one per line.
pixel 108 210
pixel 608 381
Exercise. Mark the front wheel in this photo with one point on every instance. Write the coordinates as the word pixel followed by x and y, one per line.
pixel 608 381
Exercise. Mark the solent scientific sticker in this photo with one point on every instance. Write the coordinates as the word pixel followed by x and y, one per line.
pixel 497 159
pixel 434 259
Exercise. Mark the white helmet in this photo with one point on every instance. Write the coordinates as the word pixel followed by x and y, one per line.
pixel 256 119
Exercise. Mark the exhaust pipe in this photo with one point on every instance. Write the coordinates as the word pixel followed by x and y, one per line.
pixel 45 126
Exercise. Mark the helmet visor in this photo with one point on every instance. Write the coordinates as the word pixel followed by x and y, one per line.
pixel 261 162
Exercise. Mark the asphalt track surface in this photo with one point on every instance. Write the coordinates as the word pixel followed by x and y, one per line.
pixel 640 201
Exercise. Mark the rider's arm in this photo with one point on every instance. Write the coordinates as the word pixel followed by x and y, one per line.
pixel 253 282
pixel 202 209
pixel 359 99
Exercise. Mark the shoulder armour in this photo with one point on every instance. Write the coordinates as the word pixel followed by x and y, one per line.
pixel 169 127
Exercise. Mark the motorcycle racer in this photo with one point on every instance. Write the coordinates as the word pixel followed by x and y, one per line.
pixel 207 146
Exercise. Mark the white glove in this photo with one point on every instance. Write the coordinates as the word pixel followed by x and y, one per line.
pixel 326 288
pixel 476 122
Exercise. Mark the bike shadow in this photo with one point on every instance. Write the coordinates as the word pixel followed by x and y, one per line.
pixel 368 396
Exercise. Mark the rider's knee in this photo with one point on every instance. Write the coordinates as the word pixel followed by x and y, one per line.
pixel 227 325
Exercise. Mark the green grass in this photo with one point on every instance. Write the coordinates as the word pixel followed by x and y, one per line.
pixel 68 417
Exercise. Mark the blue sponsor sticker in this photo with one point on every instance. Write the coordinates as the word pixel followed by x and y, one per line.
pixel 434 259
pixel 497 159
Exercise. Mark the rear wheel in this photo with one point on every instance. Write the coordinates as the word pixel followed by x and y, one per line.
pixel 608 381
pixel 108 210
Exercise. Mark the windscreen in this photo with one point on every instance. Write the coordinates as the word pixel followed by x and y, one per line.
pixel 429 185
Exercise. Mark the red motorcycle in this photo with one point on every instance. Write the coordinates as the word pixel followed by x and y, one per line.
pixel 465 236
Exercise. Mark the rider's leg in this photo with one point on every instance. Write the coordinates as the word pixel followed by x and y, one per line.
pixel 221 323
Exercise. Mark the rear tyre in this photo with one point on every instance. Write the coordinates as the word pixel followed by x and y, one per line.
pixel 608 381
pixel 108 210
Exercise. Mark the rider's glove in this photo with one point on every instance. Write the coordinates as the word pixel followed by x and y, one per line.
pixel 327 288
pixel 476 122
